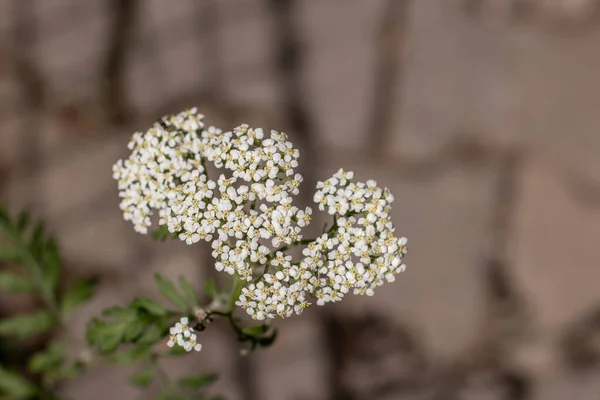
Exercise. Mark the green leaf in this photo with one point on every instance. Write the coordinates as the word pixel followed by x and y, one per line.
pixel 177 351
pixel 52 263
pixel 134 329
pixel 197 381
pixel 256 330
pixel 120 313
pixel 14 283
pixel 77 295
pixel 149 305
pixel 167 393
pixel 4 221
pixel 49 359
pixel 133 354
pixel 107 336
pixel 10 254
pixel 23 220
pixel 71 371
pixel 37 239
pixel 92 332
pixel 26 325
pixel 142 378
pixel 95 332
pixel 15 386
pixel 167 289
pixel 126 325
pixel 151 335
pixel 188 291
pixel 162 233
pixel 211 289
pixel 267 340
pixel 104 336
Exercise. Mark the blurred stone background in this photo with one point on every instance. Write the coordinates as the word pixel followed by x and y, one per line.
pixel 480 115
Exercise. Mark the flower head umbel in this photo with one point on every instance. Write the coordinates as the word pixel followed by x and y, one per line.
pixel 248 215
pixel 183 335
pixel 162 159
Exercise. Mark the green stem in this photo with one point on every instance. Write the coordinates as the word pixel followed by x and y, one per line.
pixel 164 377
pixel 303 242
pixel 236 290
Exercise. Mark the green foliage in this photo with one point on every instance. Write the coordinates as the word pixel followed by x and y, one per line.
pixel 11 282
pixel 133 354
pixel 36 242
pixel 15 386
pixel 256 330
pixel 267 340
pixel 188 292
pixel 135 333
pixel 80 293
pixel 122 328
pixel 150 306
pixel 50 359
pixel 258 335
pixel 72 370
pixel 143 323
pixel 162 233
pixel 170 292
pixel 210 288
pixel 38 254
pixel 10 255
pixel 52 262
pixel 197 381
pixel 25 326
pixel 36 267
pixel 23 220
pixel 143 378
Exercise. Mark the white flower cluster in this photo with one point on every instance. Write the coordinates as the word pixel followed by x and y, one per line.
pixel 228 211
pixel 250 209
pixel 183 335
pixel 161 159
pixel 363 252
pixel 359 253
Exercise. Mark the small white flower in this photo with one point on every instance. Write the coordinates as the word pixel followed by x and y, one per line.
pixel 183 335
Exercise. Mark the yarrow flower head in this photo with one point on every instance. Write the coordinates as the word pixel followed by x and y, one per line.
pixel 183 335
pixel 247 214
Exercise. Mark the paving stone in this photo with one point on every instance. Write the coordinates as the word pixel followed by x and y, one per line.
pixel 5 16
pixel 155 14
pixel 554 250
pixel 181 65
pixel 144 83
pixel 106 245
pixel 9 141
pixel 297 358
pixel 68 62
pixel 465 76
pixel 583 385
pixel 245 48
pixel 339 68
pixel 9 88
pixel 104 382
pixel 82 173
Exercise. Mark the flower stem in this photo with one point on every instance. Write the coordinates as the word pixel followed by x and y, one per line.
pixel 236 290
